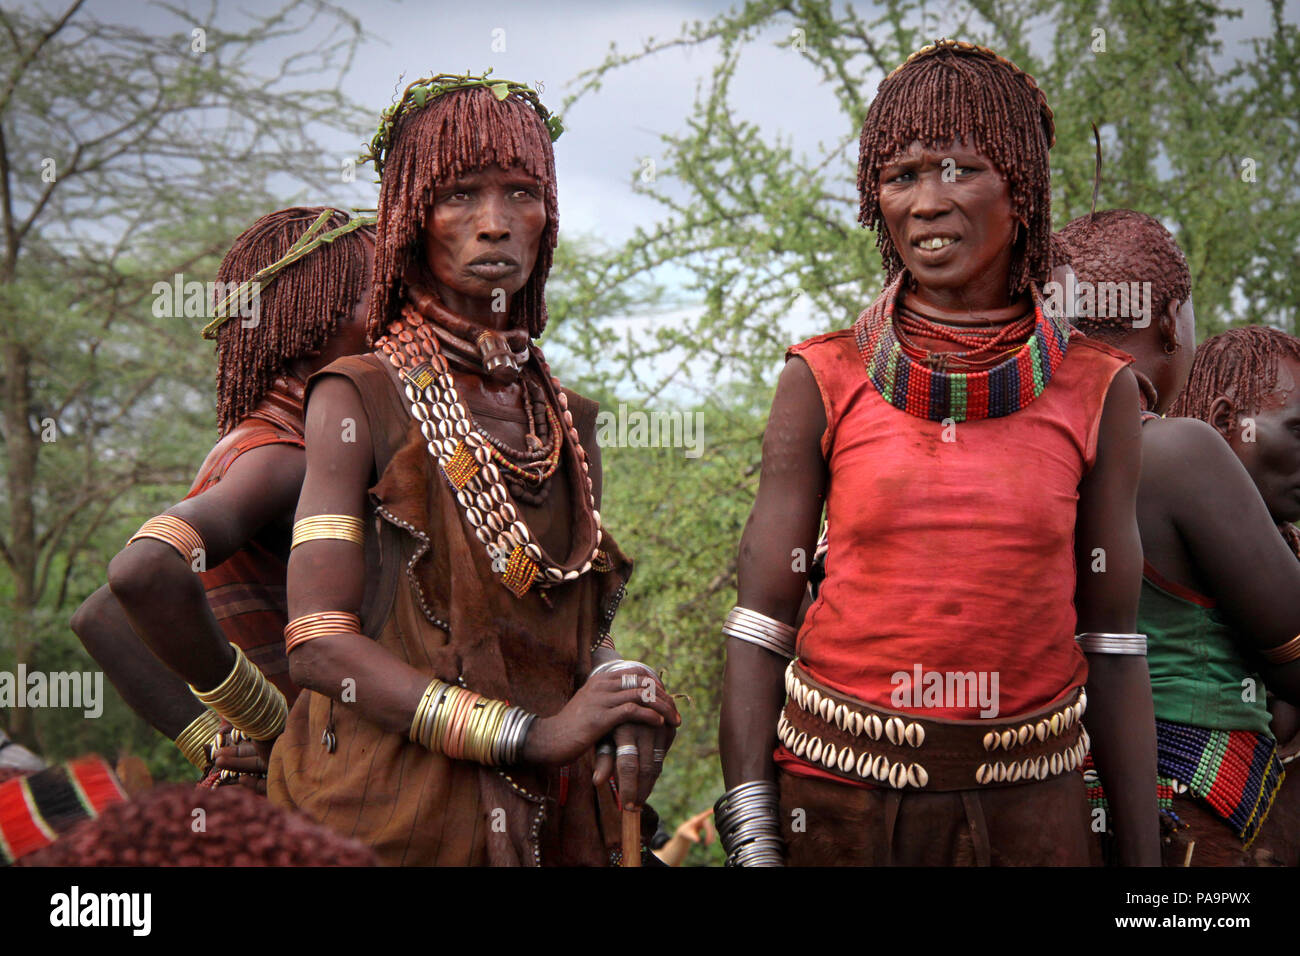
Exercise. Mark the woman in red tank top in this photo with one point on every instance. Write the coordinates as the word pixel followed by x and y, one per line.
pixel 978 464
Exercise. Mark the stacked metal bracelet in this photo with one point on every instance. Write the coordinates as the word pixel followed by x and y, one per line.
pixel 621 665
pixel 748 819
pixel 248 700
pixel 177 532
pixel 766 632
pixel 1095 642
pixel 1283 653
pixel 328 527
pixel 193 740
pixel 463 725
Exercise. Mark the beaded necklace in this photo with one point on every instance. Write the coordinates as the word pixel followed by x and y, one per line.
pixel 937 394
pixel 466 460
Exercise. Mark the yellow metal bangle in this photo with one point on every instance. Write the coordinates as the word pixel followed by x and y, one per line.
pixel 328 527
pixel 193 740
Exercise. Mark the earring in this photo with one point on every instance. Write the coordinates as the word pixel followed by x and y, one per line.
pixel 1171 348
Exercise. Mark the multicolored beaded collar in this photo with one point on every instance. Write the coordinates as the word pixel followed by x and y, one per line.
pixel 960 396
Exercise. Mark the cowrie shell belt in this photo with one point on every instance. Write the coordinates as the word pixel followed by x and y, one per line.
pixel 904 751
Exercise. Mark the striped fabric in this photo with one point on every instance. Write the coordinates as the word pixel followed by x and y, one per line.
pixel 1236 772
pixel 37 808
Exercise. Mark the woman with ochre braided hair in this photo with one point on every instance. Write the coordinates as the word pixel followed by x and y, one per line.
pixel 162 626
pixel 978 463
pixel 452 592
pixel 1212 546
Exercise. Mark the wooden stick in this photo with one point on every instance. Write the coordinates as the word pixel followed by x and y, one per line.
pixel 632 837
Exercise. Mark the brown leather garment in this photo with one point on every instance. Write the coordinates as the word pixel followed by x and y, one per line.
pixel 432 600
pixel 1044 823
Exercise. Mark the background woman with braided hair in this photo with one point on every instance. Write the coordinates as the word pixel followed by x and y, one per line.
pixel 1225 480
pixel 483 573
pixel 162 627
pixel 978 463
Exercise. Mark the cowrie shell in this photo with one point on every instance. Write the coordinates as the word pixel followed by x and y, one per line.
pixel 874 726
pixel 854 724
pixel 991 740
pixel 999 772
pixel 894 730
pixel 1044 767
pixel 841 712
pixel 1031 769
pixel 1056 725
pixel 829 755
pixel 880 768
pixel 814 749
pixel 1071 759
pixel 846 760
pixel 917 775
pixel 1008 739
pixel 1040 730
pixel 1057 764
pixel 814 700
pixel 1024 733
pixel 914 734
pixel 983 773
pixel 1014 770
pixel 864 764
pixel 898 776
pixel 800 744
pixel 827 709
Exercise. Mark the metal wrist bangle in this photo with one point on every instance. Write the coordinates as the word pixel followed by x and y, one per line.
pixel 748 823
pixel 759 629
pixel 613 667
pixel 1097 642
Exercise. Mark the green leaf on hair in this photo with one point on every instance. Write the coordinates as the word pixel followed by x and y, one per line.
pixel 555 127
pixel 500 90
pixel 420 94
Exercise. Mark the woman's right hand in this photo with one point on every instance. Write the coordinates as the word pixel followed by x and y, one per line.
pixel 597 708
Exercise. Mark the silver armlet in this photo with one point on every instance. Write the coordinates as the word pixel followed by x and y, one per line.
pixel 1094 642
pixel 766 632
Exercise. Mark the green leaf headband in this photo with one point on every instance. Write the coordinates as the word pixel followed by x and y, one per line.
pixel 422 92
pixel 306 243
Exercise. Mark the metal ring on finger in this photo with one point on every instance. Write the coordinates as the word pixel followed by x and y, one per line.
pixel 628 750
pixel 659 755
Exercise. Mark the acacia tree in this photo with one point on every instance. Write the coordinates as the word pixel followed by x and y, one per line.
pixel 126 158
pixel 763 227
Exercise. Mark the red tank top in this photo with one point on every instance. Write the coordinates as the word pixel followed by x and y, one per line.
pixel 951 549
pixel 247 591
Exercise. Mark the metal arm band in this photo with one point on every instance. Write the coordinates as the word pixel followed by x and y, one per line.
pixel 1283 653
pixel 766 632
pixel 193 740
pixel 248 700
pixel 328 527
pixel 311 626
pixel 177 532
pixel 1095 642
pixel 749 824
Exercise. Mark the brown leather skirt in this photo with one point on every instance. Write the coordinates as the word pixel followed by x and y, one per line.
pixel 1044 823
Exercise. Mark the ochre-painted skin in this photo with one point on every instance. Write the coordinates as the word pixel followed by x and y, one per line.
pixel 151 628
pixel 1272 459
pixel 490 213
pixel 969 275
pixel 974 208
pixel 1163 351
